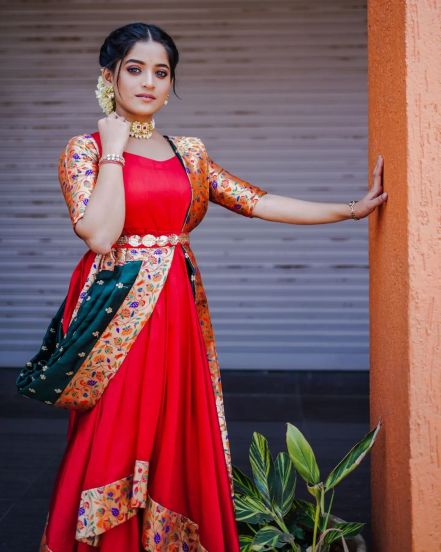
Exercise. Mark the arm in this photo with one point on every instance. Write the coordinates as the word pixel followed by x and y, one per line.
pixel 277 208
pixel 94 197
pixel 296 211
pixel 244 198
pixel 232 192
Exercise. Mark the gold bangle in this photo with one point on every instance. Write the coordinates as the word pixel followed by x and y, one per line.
pixel 351 205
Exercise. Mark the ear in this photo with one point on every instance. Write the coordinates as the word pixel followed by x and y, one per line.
pixel 107 75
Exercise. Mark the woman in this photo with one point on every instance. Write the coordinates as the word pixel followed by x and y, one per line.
pixel 147 464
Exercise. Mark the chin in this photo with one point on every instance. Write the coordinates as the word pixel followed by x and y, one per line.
pixel 137 113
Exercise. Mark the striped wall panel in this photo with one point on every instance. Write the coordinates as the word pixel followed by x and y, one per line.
pixel 278 93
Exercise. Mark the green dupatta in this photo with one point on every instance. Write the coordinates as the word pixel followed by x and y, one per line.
pixel 49 372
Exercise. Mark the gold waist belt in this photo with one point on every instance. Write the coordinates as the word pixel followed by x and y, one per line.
pixel 150 240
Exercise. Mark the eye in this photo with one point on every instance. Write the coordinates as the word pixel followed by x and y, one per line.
pixel 135 70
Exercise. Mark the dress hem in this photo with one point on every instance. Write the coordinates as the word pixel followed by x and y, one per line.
pixel 105 507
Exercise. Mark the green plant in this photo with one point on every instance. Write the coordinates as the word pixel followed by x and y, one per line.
pixel 269 515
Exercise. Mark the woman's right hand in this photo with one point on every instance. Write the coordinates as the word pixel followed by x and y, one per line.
pixel 114 133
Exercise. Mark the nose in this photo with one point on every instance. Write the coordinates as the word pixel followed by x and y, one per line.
pixel 148 81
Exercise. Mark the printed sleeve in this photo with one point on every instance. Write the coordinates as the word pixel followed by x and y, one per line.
pixel 231 191
pixel 77 174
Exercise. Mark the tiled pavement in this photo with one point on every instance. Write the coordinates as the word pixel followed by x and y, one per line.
pixel 331 409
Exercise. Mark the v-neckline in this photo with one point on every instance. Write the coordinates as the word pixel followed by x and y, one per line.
pixel 176 153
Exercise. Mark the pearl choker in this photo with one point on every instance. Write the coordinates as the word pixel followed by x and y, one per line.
pixel 140 129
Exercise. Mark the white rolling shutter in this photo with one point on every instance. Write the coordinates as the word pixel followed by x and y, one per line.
pixel 278 93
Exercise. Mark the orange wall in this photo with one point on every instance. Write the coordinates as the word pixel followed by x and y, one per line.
pixel 423 25
pixel 405 260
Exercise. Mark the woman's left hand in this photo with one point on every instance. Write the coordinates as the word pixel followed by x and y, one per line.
pixel 375 196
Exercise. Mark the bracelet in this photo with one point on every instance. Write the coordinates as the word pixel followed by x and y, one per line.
pixel 351 205
pixel 113 157
pixel 114 161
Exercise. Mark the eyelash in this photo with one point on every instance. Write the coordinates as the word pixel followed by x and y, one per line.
pixel 165 72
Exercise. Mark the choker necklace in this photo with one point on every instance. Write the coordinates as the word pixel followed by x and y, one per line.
pixel 142 129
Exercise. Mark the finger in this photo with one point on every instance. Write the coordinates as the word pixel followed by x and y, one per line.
pixel 378 169
pixel 380 199
pixel 375 191
pixel 377 178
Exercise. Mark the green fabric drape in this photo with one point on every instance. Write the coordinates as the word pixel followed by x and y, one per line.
pixel 47 374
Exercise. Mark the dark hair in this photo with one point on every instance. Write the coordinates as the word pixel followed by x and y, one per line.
pixel 119 42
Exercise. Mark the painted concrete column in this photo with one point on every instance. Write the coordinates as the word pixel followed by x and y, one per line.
pixel 404 44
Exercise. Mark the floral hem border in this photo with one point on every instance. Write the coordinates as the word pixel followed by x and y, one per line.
pixel 105 507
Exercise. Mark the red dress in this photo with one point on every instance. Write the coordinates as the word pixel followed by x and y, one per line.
pixel 158 412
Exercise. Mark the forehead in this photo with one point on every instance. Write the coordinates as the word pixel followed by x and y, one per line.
pixel 148 52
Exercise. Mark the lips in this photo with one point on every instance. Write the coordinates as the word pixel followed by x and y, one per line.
pixel 145 96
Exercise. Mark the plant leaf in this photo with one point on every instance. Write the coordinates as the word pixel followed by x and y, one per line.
pixel 251 510
pixel 243 484
pixel 302 455
pixel 305 512
pixel 269 536
pixel 245 543
pixel 315 490
pixel 347 529
pixel 261 465
pixel 352 459
pixel 283 482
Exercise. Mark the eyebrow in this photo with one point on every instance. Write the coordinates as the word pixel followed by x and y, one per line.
pixel 142 63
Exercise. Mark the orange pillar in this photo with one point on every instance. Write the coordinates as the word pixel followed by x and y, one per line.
pixel 404 43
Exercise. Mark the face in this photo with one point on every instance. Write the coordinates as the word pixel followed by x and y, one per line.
pixel 144 70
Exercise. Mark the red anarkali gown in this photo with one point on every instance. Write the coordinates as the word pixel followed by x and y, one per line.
pixel 157 411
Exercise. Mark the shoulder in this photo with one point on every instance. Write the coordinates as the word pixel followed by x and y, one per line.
pixel 189 143
pixel 80 146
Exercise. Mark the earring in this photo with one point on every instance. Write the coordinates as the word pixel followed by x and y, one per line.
pixel 166 101
pixel 105 96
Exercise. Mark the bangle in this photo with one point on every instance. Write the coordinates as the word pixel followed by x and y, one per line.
pixel 113 157
pixel 114 161
pixel 351 205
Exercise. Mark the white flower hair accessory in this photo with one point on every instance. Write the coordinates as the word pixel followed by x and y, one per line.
pixel 105 96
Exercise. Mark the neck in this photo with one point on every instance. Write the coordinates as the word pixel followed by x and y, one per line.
pixel 135 118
